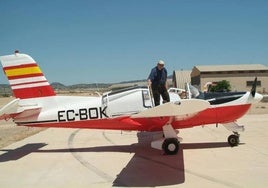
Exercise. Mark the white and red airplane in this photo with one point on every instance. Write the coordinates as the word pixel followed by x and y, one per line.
pixel 36 105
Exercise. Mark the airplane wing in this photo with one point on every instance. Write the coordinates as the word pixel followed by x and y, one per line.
pixel 14 110
pixel 180 108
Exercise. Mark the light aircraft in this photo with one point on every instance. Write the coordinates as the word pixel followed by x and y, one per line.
pixel 36 105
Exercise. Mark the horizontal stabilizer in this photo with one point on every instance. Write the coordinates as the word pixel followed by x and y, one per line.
pixel 14 110
pixel 11 108
pixel 181 108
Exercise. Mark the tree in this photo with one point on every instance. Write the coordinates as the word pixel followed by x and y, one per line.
pixel 222 86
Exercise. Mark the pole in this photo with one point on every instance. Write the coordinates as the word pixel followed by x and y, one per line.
pixel 151 95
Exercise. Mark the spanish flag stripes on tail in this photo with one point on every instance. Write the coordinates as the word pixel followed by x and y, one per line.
pixel 25 77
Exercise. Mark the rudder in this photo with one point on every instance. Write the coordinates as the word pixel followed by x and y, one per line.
pixel 25 77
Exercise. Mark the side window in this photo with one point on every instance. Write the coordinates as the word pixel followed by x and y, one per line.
pixel 105 100
pixel 250 83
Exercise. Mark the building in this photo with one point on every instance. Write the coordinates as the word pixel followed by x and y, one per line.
pixel 180 78
pixel 240 76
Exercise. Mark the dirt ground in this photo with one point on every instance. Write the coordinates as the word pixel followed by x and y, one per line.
pixel 10 133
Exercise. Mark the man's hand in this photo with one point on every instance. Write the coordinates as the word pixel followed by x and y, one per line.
pixel 149 82
pixel 166 85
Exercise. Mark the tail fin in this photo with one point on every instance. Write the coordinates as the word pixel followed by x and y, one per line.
pixel 25 77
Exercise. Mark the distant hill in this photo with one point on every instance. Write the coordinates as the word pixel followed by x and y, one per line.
pixel 60 86
pixel 5 89
pixel 57 85
pixel 133 81
pixel 89 86
pixel 4 86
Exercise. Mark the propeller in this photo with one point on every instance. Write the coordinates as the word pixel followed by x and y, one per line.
pixel 253 89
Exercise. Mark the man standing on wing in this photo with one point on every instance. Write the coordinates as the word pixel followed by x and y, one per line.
pixel 157 80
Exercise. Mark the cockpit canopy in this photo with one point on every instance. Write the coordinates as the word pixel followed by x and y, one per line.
pixel 213 97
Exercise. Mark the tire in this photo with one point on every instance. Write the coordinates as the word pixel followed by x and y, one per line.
pixel 171 146
pixel 233 140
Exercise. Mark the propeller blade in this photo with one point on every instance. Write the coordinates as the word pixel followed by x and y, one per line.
pixel 253 89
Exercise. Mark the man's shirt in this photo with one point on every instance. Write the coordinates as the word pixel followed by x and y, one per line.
pixel 158 76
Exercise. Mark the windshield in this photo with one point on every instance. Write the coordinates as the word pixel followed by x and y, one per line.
pixel 192 92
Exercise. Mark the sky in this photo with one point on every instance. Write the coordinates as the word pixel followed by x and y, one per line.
pixel 108 41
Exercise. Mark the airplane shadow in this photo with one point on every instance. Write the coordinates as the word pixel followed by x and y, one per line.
pixel 12 155
pixel 150 167
pixel 147 168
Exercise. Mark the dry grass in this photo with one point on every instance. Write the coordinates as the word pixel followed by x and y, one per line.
pixel 10 133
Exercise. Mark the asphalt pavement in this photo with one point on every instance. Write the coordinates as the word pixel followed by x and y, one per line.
pixel 105 158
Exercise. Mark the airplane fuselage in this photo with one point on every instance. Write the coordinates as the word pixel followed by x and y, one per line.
pixel 95 113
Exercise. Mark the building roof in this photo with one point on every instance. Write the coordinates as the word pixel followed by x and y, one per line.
pixel 243 67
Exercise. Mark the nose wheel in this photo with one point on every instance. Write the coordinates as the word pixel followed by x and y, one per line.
pixel 233 140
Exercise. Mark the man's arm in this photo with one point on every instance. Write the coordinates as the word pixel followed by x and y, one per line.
pixel 151 77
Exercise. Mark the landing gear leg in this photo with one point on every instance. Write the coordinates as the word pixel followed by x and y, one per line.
pixel 170 143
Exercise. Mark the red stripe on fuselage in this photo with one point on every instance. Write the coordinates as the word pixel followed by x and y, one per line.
pixel 209 116
pixel 223 114
pixel 121 123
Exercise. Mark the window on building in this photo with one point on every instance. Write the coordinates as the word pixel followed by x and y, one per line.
pixel 250 83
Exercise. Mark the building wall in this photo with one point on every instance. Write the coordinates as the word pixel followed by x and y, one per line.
pixel 240 80
pixel 180 78
pixel 237 80
pixel 195 77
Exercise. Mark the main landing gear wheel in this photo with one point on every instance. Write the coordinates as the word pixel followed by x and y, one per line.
pixel 233 140
pixel 171 146
pixel 170 143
